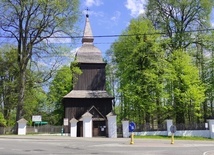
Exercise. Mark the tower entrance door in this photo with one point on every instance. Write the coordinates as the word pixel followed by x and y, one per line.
pixel 99 128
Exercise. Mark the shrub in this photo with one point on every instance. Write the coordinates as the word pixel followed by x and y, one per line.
pixel 2 120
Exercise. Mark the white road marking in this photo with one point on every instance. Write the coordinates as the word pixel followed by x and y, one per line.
pixel 209 152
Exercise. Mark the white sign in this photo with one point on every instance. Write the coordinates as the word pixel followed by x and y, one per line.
pixel 65 121
pixel 36 118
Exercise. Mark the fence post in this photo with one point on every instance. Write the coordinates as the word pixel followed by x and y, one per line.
pixel 112 125
pixel 211 128
pixel 73 127
pixel 22 126
pixel 125 129
pixel 168 125
pixel 87 124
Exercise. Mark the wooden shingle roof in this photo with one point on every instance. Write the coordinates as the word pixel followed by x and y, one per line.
pixel 88 53
pixel 87 94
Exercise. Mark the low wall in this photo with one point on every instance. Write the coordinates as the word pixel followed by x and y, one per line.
pixel 151 133
pixel 209 133
pixel 193 133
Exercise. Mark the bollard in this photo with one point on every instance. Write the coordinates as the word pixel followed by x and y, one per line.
pixel 132 138
pixel 172 138
pixel 62 132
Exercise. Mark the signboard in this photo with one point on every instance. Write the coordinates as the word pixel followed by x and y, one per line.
pixel 65 121
pixel 132 126
pixel 36 118
pixel 173 129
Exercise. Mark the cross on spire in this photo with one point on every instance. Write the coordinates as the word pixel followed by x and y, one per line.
pixel 87 10
pixel 87 34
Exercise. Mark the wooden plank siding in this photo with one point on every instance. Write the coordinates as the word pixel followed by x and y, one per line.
pixel 75 108
pixel 92 77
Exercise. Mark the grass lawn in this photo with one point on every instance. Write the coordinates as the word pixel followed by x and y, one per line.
pixel 176 137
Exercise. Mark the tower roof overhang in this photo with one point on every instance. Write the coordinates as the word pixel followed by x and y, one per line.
pixel 88 94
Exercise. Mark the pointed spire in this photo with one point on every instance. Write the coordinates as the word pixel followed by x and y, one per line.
pixel 87 35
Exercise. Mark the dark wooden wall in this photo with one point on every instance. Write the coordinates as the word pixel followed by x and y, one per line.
pixel 75 108
pixel 92 77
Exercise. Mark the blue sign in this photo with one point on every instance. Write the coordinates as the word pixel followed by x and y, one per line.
pixel 132 126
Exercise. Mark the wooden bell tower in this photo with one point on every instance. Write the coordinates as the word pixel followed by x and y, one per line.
pixel 89 94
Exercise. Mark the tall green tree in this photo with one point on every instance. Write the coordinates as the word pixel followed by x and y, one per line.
pixel 111 79
pixel 188 91
pixel 35 103
pixel 31 23
pixel 182 22
pixel 35 96
pixel 155 86
pixel 140 61
pixel 205 61
pixel 8 80
pixel 178 18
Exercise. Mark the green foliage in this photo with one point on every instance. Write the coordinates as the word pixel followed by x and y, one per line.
pixel 2 120
pixel 35 103
pixel 141 78
pixel 35 99
pixel 188 90
pixel 178 18
pixel 156 84
pixel 8 81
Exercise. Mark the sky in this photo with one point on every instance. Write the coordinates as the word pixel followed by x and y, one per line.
pixel 109 17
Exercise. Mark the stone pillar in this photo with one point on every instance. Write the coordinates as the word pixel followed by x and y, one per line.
pixel 211 128
pixel 168 125
pixel 87 124
pixel 73 127
pixel 125 125
pixel 22 126
pixel 112 125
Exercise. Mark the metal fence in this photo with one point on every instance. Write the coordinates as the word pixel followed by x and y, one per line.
pixel 151 127
pixel 49 129
pixel 163 127
pixel 193 126
pixel 2 130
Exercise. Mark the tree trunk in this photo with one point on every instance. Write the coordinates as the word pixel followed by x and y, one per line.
pixel 19 113
pixel 179 112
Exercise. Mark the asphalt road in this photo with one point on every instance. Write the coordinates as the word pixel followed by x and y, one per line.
pixel 64 145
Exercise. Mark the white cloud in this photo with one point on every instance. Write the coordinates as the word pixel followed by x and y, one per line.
pixel 116 16
pixel 136 7
pixel 90 3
